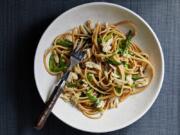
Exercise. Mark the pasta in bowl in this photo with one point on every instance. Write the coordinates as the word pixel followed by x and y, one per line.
pixel 113 68
pixel 101 67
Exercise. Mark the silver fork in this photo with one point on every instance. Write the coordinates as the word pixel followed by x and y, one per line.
pixel 76 56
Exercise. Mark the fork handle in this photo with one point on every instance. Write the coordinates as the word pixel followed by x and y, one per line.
pixel 49 105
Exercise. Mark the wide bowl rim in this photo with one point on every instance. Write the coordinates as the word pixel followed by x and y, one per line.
pixel 156 40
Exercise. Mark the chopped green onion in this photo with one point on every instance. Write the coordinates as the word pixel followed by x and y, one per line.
pixel 74 84
pixel 90 76
pixel 126 65
pixel 120 51
pixel 71 85
pixel 93 98
pixel 99 40
pixel 106 38
pixel 113 62
pixel 56 67
pixel 136 77
pixel 98 101
pixel 125 44
pixel 118 91
pixel 133 85
pixel 64 42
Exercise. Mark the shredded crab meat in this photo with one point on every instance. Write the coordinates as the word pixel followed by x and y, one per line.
pixel 90 64
pixel 72 76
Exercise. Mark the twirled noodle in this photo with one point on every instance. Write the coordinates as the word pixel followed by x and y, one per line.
pixel 113 68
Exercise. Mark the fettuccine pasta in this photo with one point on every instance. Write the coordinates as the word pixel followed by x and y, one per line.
pixel 113 68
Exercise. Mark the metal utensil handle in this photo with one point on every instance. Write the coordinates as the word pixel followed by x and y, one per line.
pixel 49 106
pixel 52 100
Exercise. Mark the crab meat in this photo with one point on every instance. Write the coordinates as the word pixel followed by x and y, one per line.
pixel 88 54
pixel 129 79
pixel 85 85
pixel 93 65
pixel 72 76
pixel 107 45
pixel 142 82
pixel 77 69
pixel 68 37
pixel 101 104
pixel 115 75
pixel 116 101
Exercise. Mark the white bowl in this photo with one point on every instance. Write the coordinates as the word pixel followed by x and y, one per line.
pixel 131 109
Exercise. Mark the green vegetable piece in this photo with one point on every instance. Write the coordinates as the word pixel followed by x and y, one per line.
pixel 91 96
pixel 136 77
pixel 89 77
pixel 118 91
pixel 113 62
pixel 64 42
pixel 74 84
pixel 106 38
pixel 54 67
pixel 51 63
pixel 125 44
pixel 99 40
pixel 98 101
pixel 133 85
pixel 120 51
pixel 71 85
pixel 126 65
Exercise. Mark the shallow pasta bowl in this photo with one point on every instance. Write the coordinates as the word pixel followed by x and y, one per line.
pixel 131 109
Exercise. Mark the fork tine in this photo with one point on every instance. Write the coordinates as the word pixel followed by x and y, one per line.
pixel 79 54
